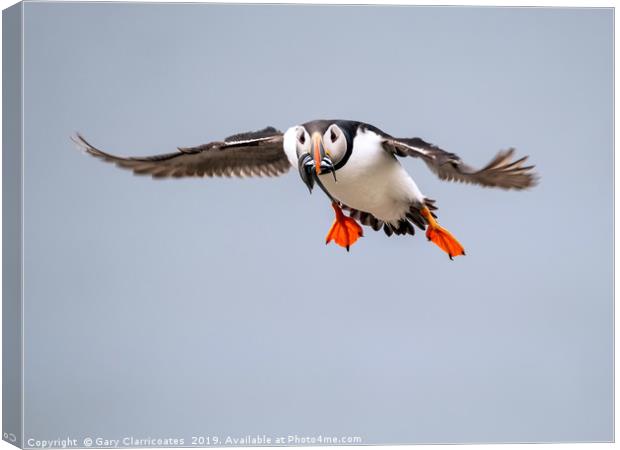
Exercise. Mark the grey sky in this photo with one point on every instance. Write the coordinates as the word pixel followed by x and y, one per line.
pixel 189 307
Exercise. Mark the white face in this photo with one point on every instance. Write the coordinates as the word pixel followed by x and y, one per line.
pixel 291 144
pixel 298 142
pixel 335 143
pixel 304 143
pixel 315 154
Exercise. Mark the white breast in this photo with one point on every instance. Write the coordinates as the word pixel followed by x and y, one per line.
pixel 372 180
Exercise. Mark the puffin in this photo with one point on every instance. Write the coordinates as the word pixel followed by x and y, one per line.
pixel 355 164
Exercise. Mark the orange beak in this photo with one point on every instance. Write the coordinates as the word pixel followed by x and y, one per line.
pixel 319 151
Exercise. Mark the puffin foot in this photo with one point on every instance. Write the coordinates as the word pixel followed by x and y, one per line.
pixel 344 231
pixel 441 237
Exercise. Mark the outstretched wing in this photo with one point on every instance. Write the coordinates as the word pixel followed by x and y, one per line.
pixel 501 172
pixel 258 153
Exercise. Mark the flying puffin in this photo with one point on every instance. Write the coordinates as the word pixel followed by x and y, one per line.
pixel 354 163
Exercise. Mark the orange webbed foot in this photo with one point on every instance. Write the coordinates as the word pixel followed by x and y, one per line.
pixel 442 237
pixel 345 231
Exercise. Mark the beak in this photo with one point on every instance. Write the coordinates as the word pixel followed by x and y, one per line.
pixel 318 151
pixel 322 161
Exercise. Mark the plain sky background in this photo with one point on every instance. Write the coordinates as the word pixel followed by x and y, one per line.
pixel 212 306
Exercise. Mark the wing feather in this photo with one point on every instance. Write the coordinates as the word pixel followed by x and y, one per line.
pixel 500 172
pixel 258 153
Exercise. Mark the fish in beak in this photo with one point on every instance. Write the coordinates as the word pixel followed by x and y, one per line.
pixel 306 170
pixel 318 163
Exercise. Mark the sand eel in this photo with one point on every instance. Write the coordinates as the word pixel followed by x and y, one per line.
pixel 354 163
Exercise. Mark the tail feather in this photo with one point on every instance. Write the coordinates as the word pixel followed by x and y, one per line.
pixel 421 215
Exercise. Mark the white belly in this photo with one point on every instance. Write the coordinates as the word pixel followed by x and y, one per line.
pixel 372 180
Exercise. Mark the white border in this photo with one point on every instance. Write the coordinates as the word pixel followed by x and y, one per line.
pixel 445 3
pixel 548 3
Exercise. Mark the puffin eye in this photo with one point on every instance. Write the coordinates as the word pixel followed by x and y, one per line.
pixel 302 138
pixel 332 135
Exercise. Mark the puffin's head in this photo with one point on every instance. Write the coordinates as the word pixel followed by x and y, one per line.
pixel 320 147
